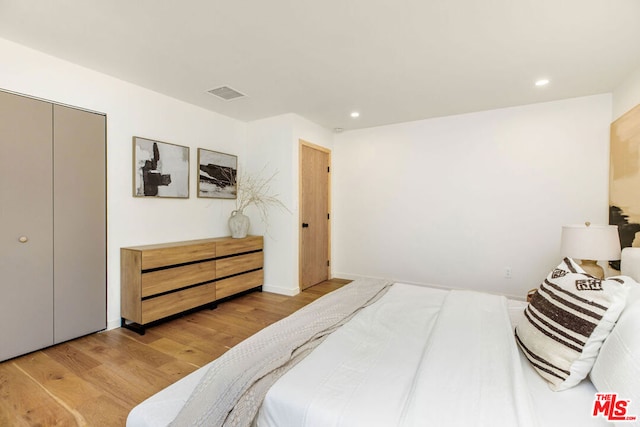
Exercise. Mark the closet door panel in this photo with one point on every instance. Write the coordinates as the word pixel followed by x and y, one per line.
pixel 79 223
pixel 26 267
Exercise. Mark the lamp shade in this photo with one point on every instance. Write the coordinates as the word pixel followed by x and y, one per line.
pixel 590 242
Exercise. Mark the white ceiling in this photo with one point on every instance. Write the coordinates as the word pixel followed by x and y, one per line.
pixel 393 61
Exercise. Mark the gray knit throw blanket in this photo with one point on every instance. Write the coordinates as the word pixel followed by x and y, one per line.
pixel 232 390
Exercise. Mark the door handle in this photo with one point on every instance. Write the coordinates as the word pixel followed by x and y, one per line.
pixel 305 225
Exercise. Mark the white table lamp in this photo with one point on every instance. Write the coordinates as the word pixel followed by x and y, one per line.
pixel 591 243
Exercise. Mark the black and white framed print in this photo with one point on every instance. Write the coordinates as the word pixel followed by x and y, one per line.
pixel 160 169
pixel 217 174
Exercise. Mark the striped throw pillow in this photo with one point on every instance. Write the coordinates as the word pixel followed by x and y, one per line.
pixel 566 322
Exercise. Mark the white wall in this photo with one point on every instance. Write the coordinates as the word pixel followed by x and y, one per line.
pixel 626 95
pixel 273 146
pixel 454 201
pixel 488 189
pixel 131 111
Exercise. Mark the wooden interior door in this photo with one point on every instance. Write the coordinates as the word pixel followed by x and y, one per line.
pixel 26 225
pixel 314 214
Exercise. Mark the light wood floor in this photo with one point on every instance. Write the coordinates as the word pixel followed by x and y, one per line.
pixel 97 379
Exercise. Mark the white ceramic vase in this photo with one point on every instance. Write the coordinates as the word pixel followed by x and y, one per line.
pixel 238 224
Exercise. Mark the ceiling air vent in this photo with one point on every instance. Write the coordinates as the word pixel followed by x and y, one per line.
pixel 226 93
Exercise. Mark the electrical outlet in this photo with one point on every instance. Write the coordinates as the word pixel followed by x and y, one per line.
pixel 507 272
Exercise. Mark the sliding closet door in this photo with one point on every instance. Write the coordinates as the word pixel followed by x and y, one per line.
pixel 26 222
pixel 79 188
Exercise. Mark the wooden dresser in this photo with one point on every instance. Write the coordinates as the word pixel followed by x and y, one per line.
pixel 159 281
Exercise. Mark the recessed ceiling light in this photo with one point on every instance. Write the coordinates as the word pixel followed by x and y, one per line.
pixel 542 82
pixel 355 114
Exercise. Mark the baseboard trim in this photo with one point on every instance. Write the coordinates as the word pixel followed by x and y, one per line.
pixel 280 290
pixel 113 324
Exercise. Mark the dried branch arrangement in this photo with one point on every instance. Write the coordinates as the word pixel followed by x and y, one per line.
pixel 256 190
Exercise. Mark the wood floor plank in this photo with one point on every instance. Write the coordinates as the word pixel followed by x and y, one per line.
pixel 199 336
pixel 97 379
pixel 135 350
pixel 104 411
pixel 178 369
pixel 117 384
pixel 23 402
pixel 222 323
pixel 96 347
pixel 130 383
pixel 188 329
pixel 72 359
pixel 181 352
pixel 60 382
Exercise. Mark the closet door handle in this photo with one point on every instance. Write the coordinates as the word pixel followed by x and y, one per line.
pixel 23 239
pixel 305 225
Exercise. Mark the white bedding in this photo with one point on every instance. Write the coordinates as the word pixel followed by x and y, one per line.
pixel 344 377
pixel 469 360
pixel 339 385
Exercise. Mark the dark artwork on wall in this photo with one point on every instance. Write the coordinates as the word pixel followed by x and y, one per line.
pixel 624 182
pixel 626 230
pixel 217 174
pixel 160 169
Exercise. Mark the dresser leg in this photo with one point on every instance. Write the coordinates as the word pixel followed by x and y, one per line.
pixel 135 327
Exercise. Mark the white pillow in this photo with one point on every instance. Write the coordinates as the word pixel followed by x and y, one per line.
pixel 566 322
pixel 617 368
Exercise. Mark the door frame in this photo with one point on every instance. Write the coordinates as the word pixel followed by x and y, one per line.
pixel 302 143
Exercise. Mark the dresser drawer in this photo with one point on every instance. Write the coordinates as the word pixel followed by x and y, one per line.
pixel 236 246
pixel 238 264
pixel 159 281
pixel 236 284
pixel 165 256
pixel 176 302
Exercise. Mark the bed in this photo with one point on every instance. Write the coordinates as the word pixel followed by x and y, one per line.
pixel 412 356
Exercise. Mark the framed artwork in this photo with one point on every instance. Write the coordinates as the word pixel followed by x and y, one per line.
pixel 160 169
pixel 217 174
pixel 624 179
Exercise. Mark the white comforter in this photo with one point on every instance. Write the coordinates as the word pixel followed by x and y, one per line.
pixel 412 359
pixel 363 374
